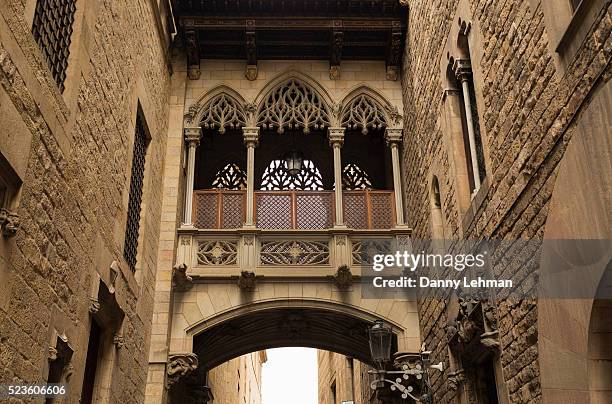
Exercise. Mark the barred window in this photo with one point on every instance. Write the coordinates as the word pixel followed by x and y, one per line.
pixel 52 29
pixel 132 228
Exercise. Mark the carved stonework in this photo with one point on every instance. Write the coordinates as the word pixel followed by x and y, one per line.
pixel 193 136
pixel 490 340
pixel 293 105
pixel 118 341
pixel 94 305
pixel 334 72
pixel 192 48
pixel 343 277
pixel 9 221
pixel 180 280
pixel 456 379
pixel 251 72
pixel 246 280
pixel 180 366
pixel 392 73
pixel 222 112
pixel 365 113
pixel 462 69
pixel 394 135
pixel 335 136
pixel 52 354
pixel 250 136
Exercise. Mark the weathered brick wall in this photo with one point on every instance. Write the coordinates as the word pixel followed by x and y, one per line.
pixel 529 111
pixel 74 194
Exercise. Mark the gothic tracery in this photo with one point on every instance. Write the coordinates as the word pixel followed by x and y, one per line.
pixel 293 105
pixel 222 113
pixel 365 113
pixel 231 177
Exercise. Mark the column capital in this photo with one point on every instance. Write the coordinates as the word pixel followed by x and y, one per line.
pixel 193 135
pixel 250 136
pixel 393 136
pixel 336 136
pixel 462 69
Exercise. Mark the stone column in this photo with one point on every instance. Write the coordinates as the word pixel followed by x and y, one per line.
pixel 336 141
pixel 251 140
pixel 463 70
pixel 192 137
pixel 394 138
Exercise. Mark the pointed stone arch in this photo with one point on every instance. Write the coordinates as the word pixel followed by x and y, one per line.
pixel 293 100
pixel 364 108
pixel 220 108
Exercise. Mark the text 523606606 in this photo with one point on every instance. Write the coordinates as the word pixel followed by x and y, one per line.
pixel 32 390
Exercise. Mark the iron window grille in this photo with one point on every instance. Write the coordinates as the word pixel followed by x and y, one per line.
pixel 52 30
pixel 132 229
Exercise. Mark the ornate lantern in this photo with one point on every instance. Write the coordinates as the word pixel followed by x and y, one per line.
pixel 293 161
pixel 380 344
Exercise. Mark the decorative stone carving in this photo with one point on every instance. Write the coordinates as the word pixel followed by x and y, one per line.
pixel 94 305
pixel 394 53
pixel 118 341
pixel 251 55
pixel 334 72
pixel 462 69
pixel 363 251
pixel 343 277
pixel 336 136
pixel 9 221
pixel 52 354
pixel 193 136
pixel 192 48
pixel 180 366
pixel 456 379
pixel 222 112
pixel 180 280
pixel 230 177
pixel 246 280
pixel 490 339
pixel 294 253
pixel 250 136
pixel 363 112
pixel 393 136
pixel 218 252
pixel 293 106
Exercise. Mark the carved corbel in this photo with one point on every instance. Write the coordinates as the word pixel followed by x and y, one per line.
pixel 180 280
pixel 462 69
pixel 180 366
pixel 343 278
pixel 9 221
pixel 337 41
pixel 118 341
pixel 394 52
pixel 52 354
pixel 94 305
pixel 456 379
pixel 251 54
pixel 246 280
pixel 490 340
pixel 192 48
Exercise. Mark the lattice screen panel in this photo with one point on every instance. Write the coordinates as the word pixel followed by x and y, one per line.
pixel 52 29
pixel 315 211
pixel 274 211
pixel 205 216
pixel 233 211
pixel 355 210
pixel 381 211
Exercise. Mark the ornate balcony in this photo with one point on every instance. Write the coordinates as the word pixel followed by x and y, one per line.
pixel 293 210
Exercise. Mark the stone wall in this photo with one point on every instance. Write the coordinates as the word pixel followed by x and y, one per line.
pixel 529 101
pixel 238 380
pixel 75 182
pixel 348 378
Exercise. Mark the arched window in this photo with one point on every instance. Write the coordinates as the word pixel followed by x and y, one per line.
pixel 354 178
pixel 230 177
pixel 277 178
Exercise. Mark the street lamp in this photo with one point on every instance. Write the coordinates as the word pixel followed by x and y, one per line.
pixel 293 161
pixel 380 343
pixel 411 366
